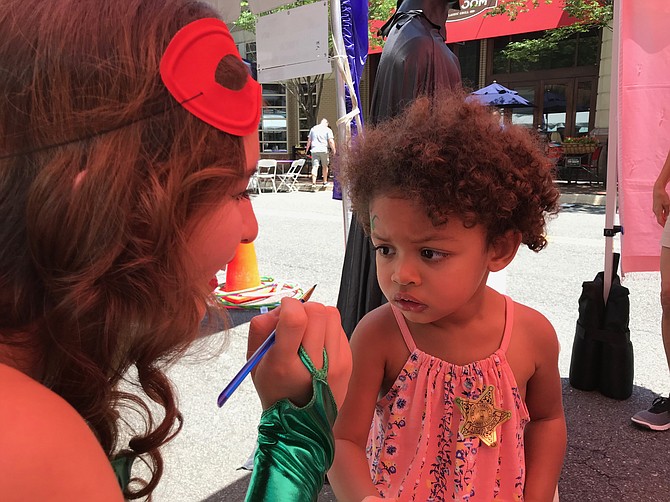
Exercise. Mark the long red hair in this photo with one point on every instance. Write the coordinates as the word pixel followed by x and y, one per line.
pixel 101 173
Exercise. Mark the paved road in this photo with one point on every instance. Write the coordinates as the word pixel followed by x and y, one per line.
pixel 301 239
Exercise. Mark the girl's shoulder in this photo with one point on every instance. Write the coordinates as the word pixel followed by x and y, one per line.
pixel 382 316
pixel 534 329
pixel 47 452
pixel 378 341
pixel 528 318
pixel 376 325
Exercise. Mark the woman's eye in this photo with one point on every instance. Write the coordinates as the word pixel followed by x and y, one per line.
pixel 246 195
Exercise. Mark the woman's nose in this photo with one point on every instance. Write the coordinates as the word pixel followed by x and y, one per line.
pixel 249 222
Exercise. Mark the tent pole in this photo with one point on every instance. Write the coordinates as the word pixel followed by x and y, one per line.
pixel 338 41
pixel 612 153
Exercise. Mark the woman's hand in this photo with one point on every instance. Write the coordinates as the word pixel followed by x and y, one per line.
pixel 281 374
pixel 661 204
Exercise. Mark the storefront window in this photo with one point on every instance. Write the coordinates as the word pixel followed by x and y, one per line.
pixel 554 108
pixel 583 107
pixel 561 84
pixel 588 49
pixel 273 129
pixel 468 56
pixel 563 56
pixel 579 50
pixel 303 122
pixel 524 115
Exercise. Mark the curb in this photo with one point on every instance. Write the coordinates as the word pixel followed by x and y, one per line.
pixel 583 199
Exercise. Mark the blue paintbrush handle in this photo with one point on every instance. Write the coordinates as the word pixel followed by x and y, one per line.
pixel 254 360
pixel 246 369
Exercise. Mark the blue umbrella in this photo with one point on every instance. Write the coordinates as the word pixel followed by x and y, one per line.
pixel 500 96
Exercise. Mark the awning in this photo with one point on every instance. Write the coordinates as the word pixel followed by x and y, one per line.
pixel 472 23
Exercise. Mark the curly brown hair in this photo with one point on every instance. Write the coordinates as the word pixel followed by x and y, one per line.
pixel 95 275
pixel 453 157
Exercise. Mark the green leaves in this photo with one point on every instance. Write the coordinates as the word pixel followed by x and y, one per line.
pixel 590 14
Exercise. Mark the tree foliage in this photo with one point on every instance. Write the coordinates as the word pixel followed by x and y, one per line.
pixel 378 10
pixel 590 15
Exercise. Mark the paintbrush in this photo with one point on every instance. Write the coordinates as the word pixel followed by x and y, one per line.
pixel 254 359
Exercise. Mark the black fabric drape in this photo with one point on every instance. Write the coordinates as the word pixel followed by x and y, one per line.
pixel 415 60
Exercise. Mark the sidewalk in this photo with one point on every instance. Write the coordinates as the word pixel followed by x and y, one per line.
pixel 571 193
pixel 582 193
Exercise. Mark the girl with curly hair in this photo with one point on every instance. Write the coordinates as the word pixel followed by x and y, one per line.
pixel 128 135
pixel 455 392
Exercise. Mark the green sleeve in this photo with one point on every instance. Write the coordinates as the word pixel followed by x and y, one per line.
pixel 295 445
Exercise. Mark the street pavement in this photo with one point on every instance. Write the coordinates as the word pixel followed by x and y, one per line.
pixel 302 239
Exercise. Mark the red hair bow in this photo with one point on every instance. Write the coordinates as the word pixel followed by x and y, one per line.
pixel 188 69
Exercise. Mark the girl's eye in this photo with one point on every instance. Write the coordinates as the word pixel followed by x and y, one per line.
pixel 246 195
pixel 383 250
pixel 431 254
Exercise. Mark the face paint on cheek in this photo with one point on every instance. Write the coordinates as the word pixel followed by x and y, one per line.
pixel 372 222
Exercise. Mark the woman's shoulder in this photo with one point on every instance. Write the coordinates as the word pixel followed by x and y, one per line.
pixel 47 452
pixel 33 402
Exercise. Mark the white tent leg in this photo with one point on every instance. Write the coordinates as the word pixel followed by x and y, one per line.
pixel 336 22
pixel 612 153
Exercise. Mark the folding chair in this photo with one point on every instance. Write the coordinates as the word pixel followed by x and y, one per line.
pixel 254 185
pixel 583 166
pixel 289 178
pixel 591 166
pixel 267 172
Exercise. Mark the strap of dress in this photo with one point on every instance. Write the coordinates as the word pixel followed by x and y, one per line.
pixel 404 329
pixel 509 323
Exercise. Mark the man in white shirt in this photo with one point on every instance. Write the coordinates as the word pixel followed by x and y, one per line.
pixel 319 139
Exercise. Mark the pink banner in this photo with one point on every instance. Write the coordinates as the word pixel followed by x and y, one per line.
pixel 644 126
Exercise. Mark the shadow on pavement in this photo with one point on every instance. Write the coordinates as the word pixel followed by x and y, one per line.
pixel 237 491
pixel 241 316
pixel 236 317
pixel 582 208
pixel 232 493
pixel 608 457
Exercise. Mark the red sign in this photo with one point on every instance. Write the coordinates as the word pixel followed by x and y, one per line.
pixel 471 8
pixel 473 23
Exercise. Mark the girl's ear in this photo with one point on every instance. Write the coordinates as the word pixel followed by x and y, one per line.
pixel 503 250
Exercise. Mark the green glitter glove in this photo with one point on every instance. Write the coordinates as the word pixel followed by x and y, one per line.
pixel 295 445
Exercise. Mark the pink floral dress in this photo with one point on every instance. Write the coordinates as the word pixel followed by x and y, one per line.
pixel 450 432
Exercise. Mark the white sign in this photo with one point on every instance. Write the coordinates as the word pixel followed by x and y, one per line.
pixel 258 6
pixel 293 43
pixel 229 10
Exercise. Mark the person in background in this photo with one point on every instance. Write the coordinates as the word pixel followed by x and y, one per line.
pixel 320 140
pixel 657 417
pixel 455 392
pixel 128 135
pixel 415 61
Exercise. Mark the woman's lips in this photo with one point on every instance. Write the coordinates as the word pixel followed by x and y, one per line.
pixel 408 303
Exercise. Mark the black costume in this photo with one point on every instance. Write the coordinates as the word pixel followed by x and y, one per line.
pixel 415 60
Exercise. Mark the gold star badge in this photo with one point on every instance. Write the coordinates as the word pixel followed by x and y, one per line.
pixel 481 417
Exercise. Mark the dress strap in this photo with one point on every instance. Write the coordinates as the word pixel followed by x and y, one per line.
pixel 509 323
pixel 404 329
